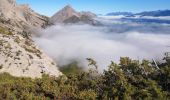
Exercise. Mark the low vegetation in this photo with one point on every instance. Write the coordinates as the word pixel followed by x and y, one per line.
pixel 5 31
pixel 128 80
pixel 71 68
pixel 1 66
pixel 33 49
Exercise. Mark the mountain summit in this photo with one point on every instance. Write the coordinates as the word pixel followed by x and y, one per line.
pixel 69 15
pixel 20 15
pixel 64 14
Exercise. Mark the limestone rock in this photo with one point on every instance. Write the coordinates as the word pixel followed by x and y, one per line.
pixel 69 15
pixel 19 56
pixel 20 15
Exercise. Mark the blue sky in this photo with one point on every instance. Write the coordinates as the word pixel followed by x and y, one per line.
pixel 49 7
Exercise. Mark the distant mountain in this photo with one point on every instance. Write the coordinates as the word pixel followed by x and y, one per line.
pixel 157 13
pixel 64 14
pixel 146 20
pixel 119 13
pixel 69 15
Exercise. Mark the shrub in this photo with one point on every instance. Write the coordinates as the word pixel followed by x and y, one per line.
pixel 124 81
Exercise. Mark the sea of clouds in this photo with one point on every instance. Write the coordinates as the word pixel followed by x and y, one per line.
pixel 115 39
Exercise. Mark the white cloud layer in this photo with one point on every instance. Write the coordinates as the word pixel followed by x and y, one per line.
pixel 67 43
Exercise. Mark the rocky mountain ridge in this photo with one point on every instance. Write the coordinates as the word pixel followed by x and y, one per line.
pixel 69 15
pixel 21 17
pixel 19 55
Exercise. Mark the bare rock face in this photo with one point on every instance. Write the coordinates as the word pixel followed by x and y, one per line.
pixel 69 15
pixel 12 1
pixel 89 14
pixel 20 15
pixel 64 14
pixel 72 19
pixel 19 56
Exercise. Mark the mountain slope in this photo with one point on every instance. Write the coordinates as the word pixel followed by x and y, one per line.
pixel 69 15
pixel 155 13
pixel 19 56
pixel 64 14
pixel 20 15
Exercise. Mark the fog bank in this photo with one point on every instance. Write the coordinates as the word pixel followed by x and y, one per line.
pixel 68 43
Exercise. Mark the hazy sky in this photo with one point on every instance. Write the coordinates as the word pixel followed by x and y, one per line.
pixel 49 7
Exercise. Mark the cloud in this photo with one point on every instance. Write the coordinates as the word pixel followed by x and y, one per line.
pixel 68 43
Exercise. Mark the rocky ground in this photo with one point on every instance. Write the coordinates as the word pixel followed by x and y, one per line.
pixel 19 55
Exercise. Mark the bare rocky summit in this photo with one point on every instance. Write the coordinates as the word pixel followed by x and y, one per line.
pixel 69 15
pixel 64 14
pixel 19 55
pixel 20 16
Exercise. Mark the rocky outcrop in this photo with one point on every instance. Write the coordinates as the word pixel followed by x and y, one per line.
pixel 64 14
pixel 69 15
pixel 19 56
pixel 20 15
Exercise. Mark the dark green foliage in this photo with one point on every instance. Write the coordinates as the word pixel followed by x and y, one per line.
pixel 72 68
pixel 163 77
pixel 1 66
pixel 128 80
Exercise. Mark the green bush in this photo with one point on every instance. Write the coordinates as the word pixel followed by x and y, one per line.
pixel 71 68
pixel 129 80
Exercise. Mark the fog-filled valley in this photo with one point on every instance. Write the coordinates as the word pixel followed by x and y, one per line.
pixel 101 50
pixel 113 39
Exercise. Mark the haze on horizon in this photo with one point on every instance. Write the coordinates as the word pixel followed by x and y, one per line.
pixel 48 8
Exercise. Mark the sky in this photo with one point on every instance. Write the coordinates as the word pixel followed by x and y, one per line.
pixel 50 7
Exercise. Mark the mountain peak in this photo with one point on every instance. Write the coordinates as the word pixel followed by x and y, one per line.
pixel 69 15
pixel 63 14
pixel 68 7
